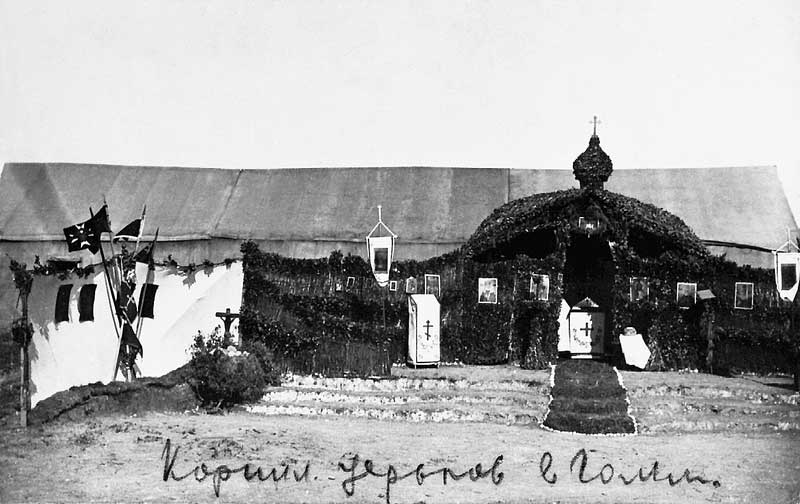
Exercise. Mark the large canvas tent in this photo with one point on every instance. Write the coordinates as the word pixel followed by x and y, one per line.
pixel 204 214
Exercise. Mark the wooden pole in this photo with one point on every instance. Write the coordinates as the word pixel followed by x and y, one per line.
pixel 795 332
pixel 25 366
pixel 149 278
pixel 710 337
pixel 511 349
pixel 112 301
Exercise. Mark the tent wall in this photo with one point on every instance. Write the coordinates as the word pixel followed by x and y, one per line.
pixel 743 256
pixel 73 353
pixel 69 353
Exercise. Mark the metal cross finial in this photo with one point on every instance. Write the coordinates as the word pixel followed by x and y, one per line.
pixel 595 122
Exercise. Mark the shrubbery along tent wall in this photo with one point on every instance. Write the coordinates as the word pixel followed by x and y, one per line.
pixel 541 251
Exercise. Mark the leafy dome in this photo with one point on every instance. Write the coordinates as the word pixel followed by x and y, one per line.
pixel 642 228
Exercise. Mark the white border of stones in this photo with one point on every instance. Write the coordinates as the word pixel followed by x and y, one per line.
pixel 550 394
pixel 628 401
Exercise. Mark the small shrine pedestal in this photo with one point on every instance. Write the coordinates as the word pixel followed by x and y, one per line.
pixel 423 330
pixel 586 330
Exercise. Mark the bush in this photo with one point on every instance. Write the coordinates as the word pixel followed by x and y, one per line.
pixel 225 377
pixel 266 359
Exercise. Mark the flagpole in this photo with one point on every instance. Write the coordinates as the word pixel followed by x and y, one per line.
pixel 119 271
pixel 141 230
pixel 139 308
pixel 111 299
pixel 141 289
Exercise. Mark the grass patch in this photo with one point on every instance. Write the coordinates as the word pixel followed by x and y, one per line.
pixel 588 398
pixel 589 406
pixel 589 424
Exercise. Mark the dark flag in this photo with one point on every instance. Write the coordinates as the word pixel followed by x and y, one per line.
pixel 62 303
pixel 86 302
pixel 130 232
pixel 82 236
pixel 126 301
pixel 147 299
pixel 146 254
pixel 100 221
pixel 129 339
pixel 86 235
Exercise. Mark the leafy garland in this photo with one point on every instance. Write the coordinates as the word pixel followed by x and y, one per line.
pixel 64 270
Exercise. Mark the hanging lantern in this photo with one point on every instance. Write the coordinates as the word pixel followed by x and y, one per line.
pixel 787 268
pixel 381 251
pixel 787 273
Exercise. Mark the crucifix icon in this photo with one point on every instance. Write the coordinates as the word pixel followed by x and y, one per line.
pixel 595 122
pixel 227 319
pixel 427 327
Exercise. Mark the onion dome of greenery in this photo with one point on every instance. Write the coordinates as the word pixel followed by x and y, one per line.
pixel 541 224
pixel 593 167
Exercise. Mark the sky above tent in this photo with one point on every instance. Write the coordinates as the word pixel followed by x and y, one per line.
pixel 246 84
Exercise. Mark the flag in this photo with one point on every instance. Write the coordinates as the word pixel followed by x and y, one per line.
pixel 147 299
pixel 146 254
pixel 100 221
pixel 86 302
pixel 82 236
pixel 86 235
pixel 126 301
pixel 62 303
pixel 130 232
pixel 129 339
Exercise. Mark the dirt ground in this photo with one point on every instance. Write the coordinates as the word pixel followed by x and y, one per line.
pixel 738 438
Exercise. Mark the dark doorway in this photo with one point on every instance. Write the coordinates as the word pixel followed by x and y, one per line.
pixel 589 272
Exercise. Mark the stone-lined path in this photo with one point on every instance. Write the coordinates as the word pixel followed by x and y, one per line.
pixel 410 398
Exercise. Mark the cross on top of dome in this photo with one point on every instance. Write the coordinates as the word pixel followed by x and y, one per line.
pixel 593 167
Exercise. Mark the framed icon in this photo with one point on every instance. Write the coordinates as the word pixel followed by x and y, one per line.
pixel 382 260
pixel 432 285
pixel 393 285
pixel 411 285
pixel 640 288
pixel 540 287
pixel 743 296
pixel 686 295
pixel 487 290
